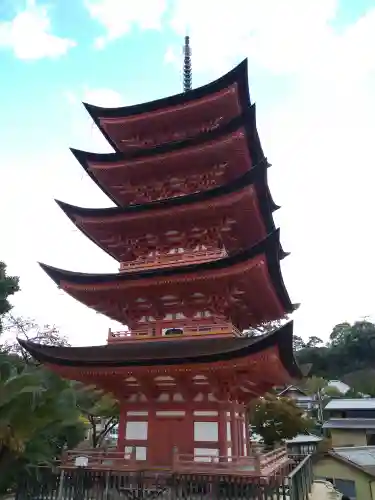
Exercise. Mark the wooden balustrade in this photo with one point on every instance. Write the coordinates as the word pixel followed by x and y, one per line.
pixel 254 465
pixel 57 483
pixel 100 458
pixel 172 259
pixel 189 330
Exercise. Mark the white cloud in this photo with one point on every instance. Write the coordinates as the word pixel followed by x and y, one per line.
pixel 103 97
pixel 281 36
pixel 119 16
pixel 171 56
pixel 319 138
pixel 29 35
pixel 87 135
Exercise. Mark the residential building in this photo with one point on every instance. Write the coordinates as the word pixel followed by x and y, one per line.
pixel 350 470
pixel 340 386
pixel 303 444
pixel 350 422
pixel 303 400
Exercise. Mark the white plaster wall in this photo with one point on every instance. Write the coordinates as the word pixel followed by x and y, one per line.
pixel 136 430
pixel 206 431
pixel 205 454
pixel 229 432
pixel 170 413
pixel 140 452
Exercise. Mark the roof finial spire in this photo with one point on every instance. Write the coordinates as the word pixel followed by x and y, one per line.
pixel 187 75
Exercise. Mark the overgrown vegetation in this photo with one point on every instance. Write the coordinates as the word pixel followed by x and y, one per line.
pixel 277 418
pixel 348 355
pixel 40 413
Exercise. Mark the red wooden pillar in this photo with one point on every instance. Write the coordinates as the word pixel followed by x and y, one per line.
pixel 121 428
pixel 223 439
pixel 233 431
pixel 241 434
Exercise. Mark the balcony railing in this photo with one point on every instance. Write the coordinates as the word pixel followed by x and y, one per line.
pixel 254 465
pixel 108 483
pixel 172 259
pixel 189 330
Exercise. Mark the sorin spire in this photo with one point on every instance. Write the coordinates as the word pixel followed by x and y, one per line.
pixel 187 75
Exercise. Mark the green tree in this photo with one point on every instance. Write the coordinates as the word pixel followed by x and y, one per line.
pixel 298 343
pixel 101 412
pixel 340 333
pixel 38 416
pixel 9 285
pixel 314 341
pixel 277 418
pixel 351 349
pixel 314 384
pixel 29 329
pixel 266 327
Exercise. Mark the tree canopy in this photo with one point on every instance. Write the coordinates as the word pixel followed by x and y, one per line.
pixel 277 418
pixel 40 413
pixel 349 355
pixel 9 285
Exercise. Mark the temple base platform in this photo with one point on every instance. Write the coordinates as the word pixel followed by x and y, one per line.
pixel 256 464
pixel 99 480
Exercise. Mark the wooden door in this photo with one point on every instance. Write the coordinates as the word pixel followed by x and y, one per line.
pixel 165 434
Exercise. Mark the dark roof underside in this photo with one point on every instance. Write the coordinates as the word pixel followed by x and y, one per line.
pixel 172 352
pixel 236 75
pixel 269 247
pixel 247 121
pixel 257 176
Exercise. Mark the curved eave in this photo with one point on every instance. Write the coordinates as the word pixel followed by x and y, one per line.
pixel 257 176
pixel 237 75
pixel 269 247
pixel 247 121
pixel 171 353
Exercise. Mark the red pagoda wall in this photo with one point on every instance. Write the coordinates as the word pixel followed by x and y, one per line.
pixel 198 427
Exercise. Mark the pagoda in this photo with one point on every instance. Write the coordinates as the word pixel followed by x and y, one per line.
pixel 199 268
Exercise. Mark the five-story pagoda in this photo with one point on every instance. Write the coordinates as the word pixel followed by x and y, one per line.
pixel 199 260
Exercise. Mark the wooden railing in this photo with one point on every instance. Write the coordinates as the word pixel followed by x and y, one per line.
pixel 253 465
pixel 100 458
pixel 172 259
pixel 189 330
pixel 105 483
pixel 300 479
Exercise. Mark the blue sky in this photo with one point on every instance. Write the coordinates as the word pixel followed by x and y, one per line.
pixel 311 74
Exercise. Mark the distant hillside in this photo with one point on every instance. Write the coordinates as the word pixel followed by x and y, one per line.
pixel 361 378
pixel 348 356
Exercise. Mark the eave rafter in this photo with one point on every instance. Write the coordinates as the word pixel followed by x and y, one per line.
pixel 221 214
pixel 114 294
pixel 178 116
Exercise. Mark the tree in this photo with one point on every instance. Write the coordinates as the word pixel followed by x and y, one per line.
pixel 277 418
pixel 100 410
pixel 9 285
pixel 17 326
pixel 263 328
pixel 315 384
pixel 340 333
pixel 298 343
pixel 351 349
pixel 38 417
pixel 314 341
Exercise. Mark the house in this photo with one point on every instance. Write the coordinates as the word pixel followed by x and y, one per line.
pixel 350 470
pixel 350 422
pixel 303 444
pixel 339 386
pixel 303 400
